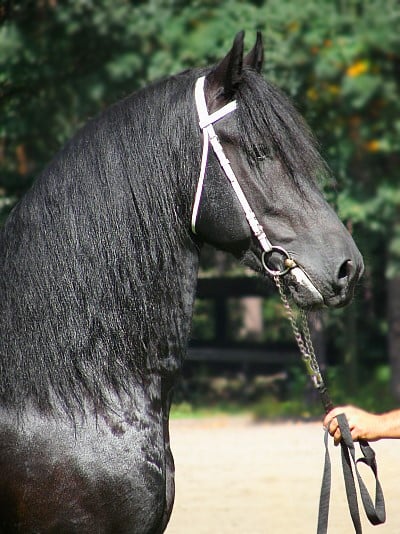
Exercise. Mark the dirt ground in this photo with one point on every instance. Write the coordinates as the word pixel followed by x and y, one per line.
pixel 236 476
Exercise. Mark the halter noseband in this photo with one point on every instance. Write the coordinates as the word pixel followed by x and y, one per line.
pixel 206 122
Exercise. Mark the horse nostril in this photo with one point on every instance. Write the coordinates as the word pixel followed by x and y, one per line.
pixel 345 271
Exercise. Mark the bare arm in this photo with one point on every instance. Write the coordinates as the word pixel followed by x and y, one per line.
pixel 364 425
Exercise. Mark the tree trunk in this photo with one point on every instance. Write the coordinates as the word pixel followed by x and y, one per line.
pixel 252 326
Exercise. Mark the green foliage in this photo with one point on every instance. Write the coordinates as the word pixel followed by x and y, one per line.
pixel 373 393
pixel 62 62
pixel 296 400
pixel 205 319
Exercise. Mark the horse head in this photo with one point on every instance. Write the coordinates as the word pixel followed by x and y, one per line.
pixel 284 225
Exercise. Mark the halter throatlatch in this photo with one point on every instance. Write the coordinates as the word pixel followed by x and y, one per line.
pixel 206 122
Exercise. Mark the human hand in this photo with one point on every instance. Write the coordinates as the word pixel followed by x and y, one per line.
pixel 362 424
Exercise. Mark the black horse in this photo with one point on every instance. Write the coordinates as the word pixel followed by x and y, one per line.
pixel 98 276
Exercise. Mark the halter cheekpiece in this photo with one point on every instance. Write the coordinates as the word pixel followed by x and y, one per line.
pixel 206 122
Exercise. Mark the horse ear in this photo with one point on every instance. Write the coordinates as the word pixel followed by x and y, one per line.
pixel 255 58
pixel 225 77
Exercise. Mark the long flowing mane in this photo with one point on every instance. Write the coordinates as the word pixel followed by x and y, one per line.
pixel 91 266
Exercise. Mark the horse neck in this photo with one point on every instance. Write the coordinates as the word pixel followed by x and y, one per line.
pixel 99 270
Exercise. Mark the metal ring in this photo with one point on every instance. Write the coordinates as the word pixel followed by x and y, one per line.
pixel 273 272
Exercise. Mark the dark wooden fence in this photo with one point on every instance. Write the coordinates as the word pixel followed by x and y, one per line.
pixel 220 349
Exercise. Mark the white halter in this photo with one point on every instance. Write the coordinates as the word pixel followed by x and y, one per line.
pixel 206 122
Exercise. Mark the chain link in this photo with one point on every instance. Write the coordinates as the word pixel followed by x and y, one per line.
pixel 303 338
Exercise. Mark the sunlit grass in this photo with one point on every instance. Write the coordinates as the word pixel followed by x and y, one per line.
pixel 298 401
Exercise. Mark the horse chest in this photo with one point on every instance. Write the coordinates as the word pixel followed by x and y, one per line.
pixel 94 478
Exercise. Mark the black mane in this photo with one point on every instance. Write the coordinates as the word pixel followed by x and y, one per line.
pixel 88 253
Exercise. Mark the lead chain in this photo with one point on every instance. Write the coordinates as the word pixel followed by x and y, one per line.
pixel 303 338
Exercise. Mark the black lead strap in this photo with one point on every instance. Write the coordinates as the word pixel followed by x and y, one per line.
pixel 375 511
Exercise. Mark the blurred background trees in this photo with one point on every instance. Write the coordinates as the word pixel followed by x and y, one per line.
pixel 63 62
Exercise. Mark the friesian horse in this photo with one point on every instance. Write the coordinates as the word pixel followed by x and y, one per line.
pixel 98 276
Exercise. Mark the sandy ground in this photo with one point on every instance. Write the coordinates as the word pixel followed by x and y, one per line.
pixel 235 476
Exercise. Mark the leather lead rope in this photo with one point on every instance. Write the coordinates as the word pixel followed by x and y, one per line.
pixel 374 511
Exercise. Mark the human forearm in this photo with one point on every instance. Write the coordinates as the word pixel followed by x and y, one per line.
pixel 390 424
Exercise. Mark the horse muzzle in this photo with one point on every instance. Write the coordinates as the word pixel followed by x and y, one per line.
pixel 306 292
pixel 332 293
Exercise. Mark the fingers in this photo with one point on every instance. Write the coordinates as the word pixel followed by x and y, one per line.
pixel 334 430
pixel 355 434
pixel 332 424
pixel 333 413
pixel 337 436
